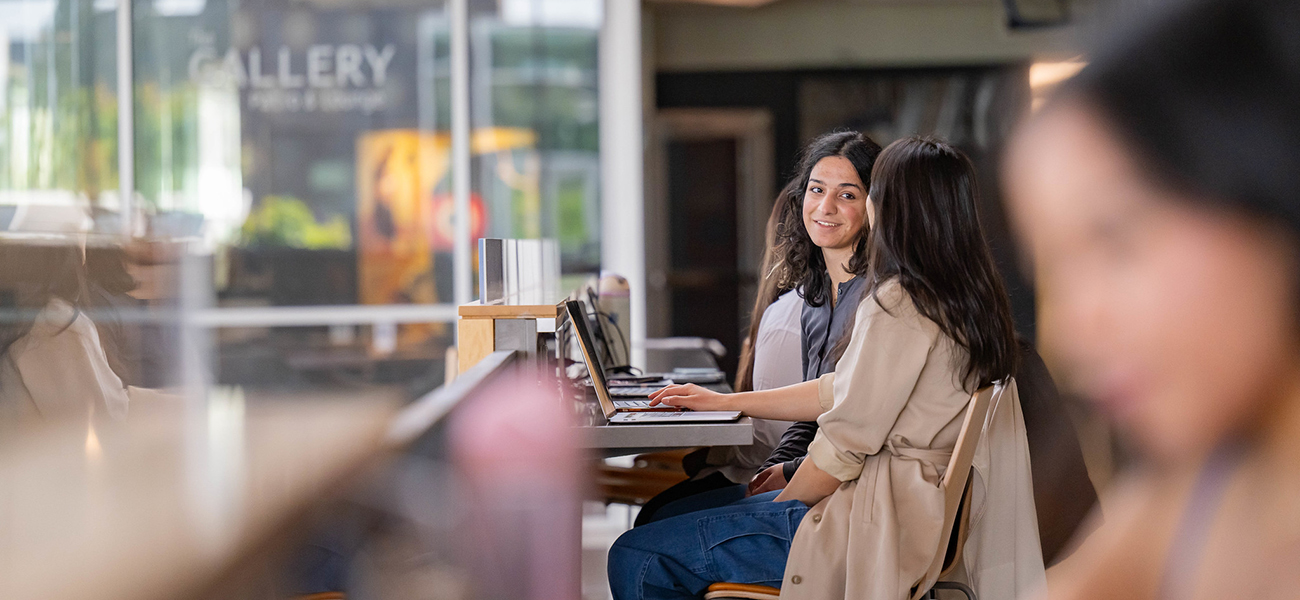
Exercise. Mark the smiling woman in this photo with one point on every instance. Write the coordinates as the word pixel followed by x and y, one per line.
pixel 934 324
pixel 834 208
pixel 825 230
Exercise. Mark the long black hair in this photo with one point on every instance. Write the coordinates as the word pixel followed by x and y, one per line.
pixel 801 264
pixel 1208 98
pixel 927 234
pixel 31 275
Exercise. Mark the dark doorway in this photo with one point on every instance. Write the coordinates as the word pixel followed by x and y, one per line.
pixel 971 106
pixel 703 280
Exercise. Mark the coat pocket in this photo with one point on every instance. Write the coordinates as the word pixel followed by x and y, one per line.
pixel 864 497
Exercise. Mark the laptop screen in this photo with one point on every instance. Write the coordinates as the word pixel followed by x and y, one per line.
pixel 594 368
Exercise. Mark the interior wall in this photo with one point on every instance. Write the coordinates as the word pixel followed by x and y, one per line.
pixel 722 57
pixel 973 107
pixel 801 34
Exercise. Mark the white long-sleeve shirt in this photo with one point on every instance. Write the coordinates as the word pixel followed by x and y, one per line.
pixel 777 363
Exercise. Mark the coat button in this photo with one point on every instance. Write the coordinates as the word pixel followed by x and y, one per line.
pixel 796 579
pixel 817 518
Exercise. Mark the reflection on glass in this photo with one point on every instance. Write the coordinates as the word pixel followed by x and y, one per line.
pixel 58 115
pixel 339 359
pixel 533 68
pixel 55 361
pixel 300 139
pixel 287 154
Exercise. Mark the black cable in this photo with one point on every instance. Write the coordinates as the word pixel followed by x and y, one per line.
pixel 594 301
pixel 621 338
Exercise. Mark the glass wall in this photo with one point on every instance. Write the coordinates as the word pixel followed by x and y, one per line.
pixel 292 221
pixel 533 82
pixel 58 115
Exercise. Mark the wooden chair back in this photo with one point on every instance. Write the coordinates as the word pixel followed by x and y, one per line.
pixel 956 492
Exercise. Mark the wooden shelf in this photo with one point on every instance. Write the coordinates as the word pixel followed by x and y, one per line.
pixel 475 310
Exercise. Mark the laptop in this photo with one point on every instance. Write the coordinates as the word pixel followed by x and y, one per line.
pixel 632 411
pixel 642 385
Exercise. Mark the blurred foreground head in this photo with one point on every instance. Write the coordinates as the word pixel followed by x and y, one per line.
pixel 1159 193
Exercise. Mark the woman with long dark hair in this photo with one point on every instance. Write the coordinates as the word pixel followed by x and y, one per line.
pixel 821 244
pixel 772 285
pixel 806 279
pixel 769 358
pixel 934 326
pixel 1159 193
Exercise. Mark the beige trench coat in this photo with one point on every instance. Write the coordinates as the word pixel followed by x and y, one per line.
pixel 894 407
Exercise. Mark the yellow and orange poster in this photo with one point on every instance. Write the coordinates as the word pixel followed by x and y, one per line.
pixel 397 172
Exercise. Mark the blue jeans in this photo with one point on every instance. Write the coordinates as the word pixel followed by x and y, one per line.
pixel 679 557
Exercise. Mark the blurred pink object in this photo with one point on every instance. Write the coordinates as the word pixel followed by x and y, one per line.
pixel 522 472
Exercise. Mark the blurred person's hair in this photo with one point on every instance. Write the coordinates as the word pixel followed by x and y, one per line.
pixel 927 233
pixel 106 269
pixel 32 275
pixel 108 287
pixel 801 262
pixel 1207 97
pixel 771 285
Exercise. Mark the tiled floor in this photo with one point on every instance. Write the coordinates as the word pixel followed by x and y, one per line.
pixel 601 525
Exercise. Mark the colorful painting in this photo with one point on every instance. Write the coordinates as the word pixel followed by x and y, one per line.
pixel 397 172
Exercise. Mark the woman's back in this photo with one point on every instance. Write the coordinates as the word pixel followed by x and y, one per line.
pixel 895 409
pixel 777 347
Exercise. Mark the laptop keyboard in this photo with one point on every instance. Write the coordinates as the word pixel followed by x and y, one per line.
pixel 633 391
pixel 632 404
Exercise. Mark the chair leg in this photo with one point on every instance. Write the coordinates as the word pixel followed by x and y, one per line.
pixel 952 585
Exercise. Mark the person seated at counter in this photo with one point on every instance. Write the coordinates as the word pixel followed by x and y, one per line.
pixel 797 335
pixel 934 325
pixel 802 312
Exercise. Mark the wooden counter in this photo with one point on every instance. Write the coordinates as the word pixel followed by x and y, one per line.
pixel 482 328
pixel 164 506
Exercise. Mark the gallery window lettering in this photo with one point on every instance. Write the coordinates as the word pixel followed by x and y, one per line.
pixel 324 78
pixel 321 66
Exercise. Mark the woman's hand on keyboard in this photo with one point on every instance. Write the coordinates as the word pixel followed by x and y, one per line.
pixel 689 396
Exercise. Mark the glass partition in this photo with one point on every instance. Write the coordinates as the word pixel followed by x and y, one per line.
pixel 292 223
pixel 58 116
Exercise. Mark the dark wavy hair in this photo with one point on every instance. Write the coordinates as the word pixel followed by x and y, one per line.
pixel 927 234
pixel 801 264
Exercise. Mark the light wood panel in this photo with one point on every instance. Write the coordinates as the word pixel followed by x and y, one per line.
pixel 508 311
pixel 477 340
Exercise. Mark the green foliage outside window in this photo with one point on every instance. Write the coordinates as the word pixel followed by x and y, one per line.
pixel 286 221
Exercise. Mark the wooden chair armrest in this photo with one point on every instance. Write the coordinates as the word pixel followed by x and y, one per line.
pixel 744 591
